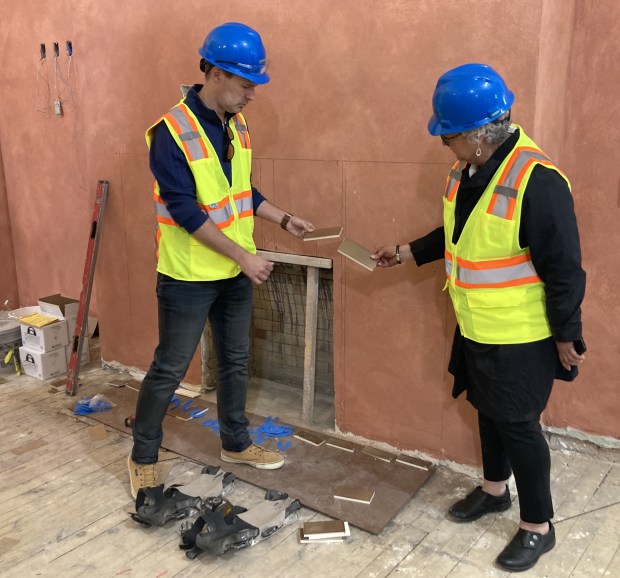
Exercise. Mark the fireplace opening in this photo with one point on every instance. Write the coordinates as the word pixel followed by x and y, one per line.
pixel 291 344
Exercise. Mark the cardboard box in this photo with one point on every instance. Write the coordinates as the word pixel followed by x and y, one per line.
pixel 71 323
pixel 91 326
pixel 59 306
pixel 85 357
pixel 43 365
pixel 46 338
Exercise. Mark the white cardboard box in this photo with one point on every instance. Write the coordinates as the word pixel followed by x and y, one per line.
pixel 62 307
pixel 71 323
pixel 85 357
pixel 46 338
pixel 59 306
pixel 91 326
pixel 43 365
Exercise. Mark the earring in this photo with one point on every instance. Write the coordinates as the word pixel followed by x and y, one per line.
pixel 478 152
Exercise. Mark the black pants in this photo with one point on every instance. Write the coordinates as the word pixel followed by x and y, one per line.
pixel 519 448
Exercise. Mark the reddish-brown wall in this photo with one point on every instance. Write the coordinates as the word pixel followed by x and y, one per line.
pixel 9 292
pixel 590 153
pixel 339 136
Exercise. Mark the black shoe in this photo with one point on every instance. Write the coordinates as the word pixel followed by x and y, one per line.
pixel 477 504
pixel 524 550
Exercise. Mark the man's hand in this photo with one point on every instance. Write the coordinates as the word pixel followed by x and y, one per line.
pixel 568 355
pixel 256 268
pixel 299 227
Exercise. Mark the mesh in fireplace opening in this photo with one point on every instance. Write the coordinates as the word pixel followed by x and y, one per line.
pixel 278 328
pixel 277 333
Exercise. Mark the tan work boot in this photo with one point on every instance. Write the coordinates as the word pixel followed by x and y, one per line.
pixel 254 456
pixel 141 476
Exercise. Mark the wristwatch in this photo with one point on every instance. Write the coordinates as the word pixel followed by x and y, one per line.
pixel 287 217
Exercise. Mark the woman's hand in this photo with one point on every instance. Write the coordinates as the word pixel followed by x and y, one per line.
pixel 385 256
pixel 568 355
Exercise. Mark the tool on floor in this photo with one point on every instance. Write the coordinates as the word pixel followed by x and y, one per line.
pixel 156 506
pixel 87 285
pixel 222 526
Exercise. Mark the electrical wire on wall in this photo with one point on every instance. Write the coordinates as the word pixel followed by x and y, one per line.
pixel 42 97
pixel 60 96
pixel 63 78
pixel 73 96
pixel 57 101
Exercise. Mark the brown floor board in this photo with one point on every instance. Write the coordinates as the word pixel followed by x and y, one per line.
pixel 309 474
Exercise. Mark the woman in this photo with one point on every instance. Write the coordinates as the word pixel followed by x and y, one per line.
pixel 513 265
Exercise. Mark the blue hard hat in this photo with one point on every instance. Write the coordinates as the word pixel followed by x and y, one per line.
pixel 238 49
pixel 467 97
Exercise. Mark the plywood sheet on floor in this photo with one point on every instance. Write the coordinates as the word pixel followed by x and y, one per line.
pixel 310 473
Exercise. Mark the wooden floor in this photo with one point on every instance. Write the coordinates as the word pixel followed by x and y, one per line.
pixel 64 501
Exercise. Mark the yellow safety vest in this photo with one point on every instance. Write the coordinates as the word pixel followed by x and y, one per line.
pixel 497 295
pixel 179 254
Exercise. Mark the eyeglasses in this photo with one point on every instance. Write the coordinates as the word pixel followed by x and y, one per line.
pixel 230 151
pixel 446 139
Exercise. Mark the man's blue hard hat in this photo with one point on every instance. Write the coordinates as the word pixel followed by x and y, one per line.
pixel 467 97
pixel 238 49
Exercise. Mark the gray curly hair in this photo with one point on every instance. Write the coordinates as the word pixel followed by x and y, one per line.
pixel 495 132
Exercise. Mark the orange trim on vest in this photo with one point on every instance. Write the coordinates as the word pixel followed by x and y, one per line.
pixel 225 223
pixel 523 281
pixel 190 119
pixel 177 128
pixel 527 166
pixel 514 156
pixel 491 264
pixel 453 190
pixel 166 221
pixel 219 205
pixel 244 135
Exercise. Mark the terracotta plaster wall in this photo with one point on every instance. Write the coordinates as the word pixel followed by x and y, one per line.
pixel 8 276
pixel 339 136
pixel 591 157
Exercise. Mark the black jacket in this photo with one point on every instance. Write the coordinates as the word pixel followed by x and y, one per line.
pixel 513 382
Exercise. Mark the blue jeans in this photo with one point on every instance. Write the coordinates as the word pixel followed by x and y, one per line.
pixel 184 307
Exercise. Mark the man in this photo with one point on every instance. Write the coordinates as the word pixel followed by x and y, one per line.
pixel 513 267
pixel 201 157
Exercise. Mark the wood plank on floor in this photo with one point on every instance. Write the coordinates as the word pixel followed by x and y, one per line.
pixel 310 473
pixel 64 513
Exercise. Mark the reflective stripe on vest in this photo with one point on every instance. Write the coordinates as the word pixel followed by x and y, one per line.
pixel 509 272
pixel 504 196
pixel 161 212
pixel 242 129
pixel 222 214
pixel 454 179
pixel 185 127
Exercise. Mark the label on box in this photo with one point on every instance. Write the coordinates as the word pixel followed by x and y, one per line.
pixel 46 338
pixel 43 365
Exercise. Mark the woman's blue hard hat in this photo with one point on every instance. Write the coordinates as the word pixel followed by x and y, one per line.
pixel 466 97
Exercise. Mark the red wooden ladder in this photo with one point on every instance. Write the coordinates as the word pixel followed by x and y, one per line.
pixel 87 285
